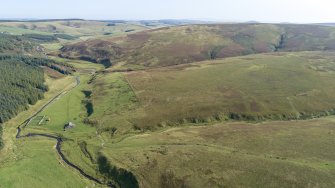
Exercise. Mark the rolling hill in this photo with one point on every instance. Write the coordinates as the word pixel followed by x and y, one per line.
pixel 73 27
pixel 185 44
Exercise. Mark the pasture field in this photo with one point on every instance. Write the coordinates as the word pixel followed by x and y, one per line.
pixel 55 87
pixel 70 108
pixel 30 160
pixel 37 121
pixel 37 164
pixel 82 143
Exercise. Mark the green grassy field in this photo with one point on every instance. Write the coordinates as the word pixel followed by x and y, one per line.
pixel 37 165
pixel 70 107
pixel 28 162
pixel 31 159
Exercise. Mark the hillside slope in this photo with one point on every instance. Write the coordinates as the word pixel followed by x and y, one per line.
pixel 269 86
pixel 186 44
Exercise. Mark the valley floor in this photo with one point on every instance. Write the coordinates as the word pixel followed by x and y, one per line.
pixel 107 144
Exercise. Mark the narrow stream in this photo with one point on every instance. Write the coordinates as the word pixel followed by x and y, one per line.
pixel 58 139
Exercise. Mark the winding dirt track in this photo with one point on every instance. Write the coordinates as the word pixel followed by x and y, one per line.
pixel 58 139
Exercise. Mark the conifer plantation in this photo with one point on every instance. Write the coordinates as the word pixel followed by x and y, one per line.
pixel 21 84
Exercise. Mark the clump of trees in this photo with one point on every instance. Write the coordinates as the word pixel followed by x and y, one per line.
pixel 41 38
pixel 48 38
pixel 65 36
pixel 16 44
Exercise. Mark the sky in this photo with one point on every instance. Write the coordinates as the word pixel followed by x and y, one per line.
pixel 295 11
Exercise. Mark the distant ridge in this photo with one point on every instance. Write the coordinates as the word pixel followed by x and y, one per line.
pixel 116 21
pixel 252 22
pixel 40 20
pixel 326 24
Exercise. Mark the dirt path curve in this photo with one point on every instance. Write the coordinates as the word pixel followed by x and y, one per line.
pixel 58 139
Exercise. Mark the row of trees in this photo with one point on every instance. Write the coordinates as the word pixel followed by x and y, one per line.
pixel 38 61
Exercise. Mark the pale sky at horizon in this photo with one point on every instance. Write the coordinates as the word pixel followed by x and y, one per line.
pixel 298 11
